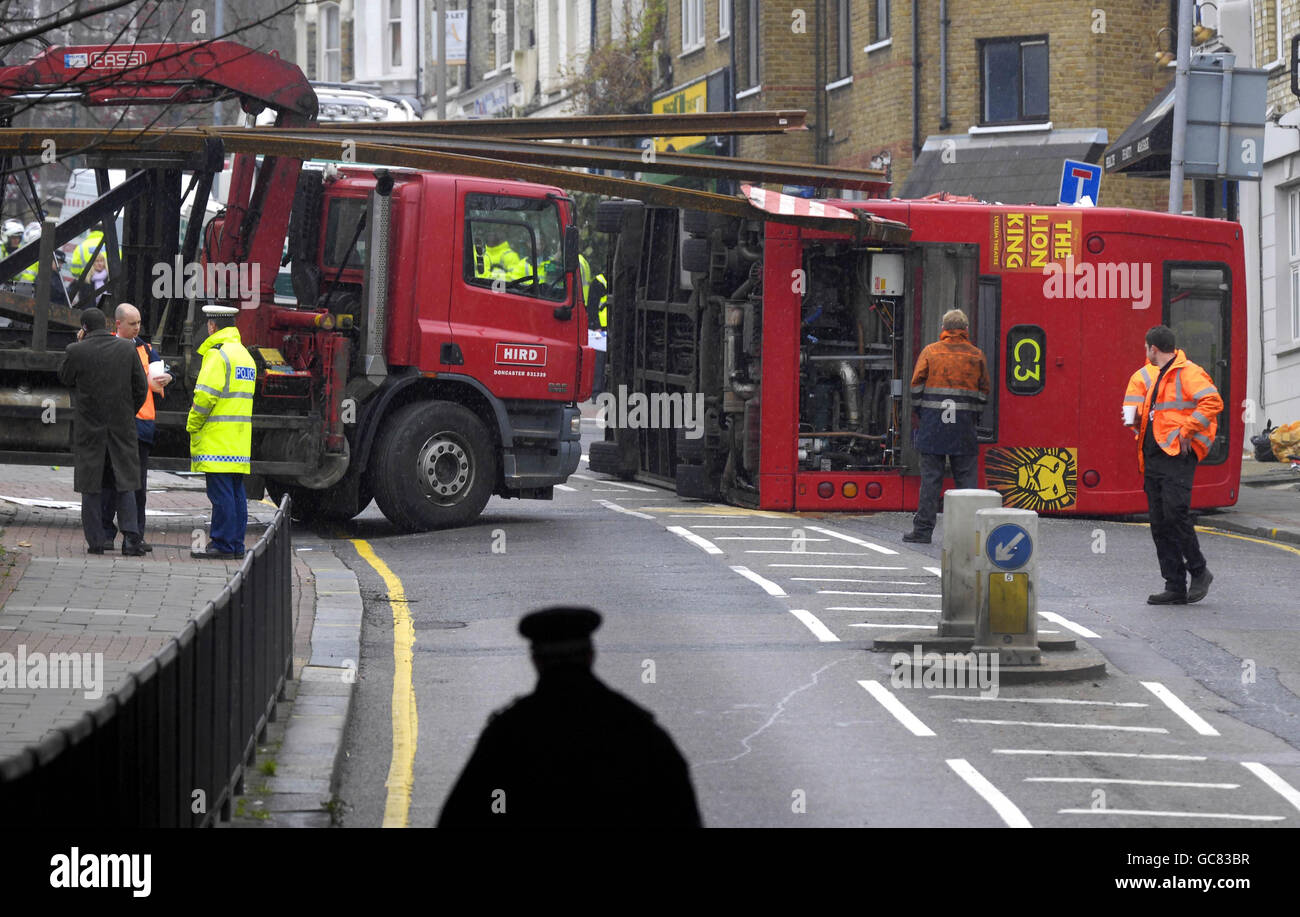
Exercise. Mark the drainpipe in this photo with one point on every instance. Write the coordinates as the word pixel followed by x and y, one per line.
pixel 731 85
pixel 944 122
pixel 916 80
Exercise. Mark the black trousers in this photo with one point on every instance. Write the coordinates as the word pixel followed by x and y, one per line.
pixel 108 501
pixel 92 514
pixel 1168 485
pixel 964 472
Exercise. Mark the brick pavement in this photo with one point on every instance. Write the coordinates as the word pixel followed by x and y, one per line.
pixel 56 598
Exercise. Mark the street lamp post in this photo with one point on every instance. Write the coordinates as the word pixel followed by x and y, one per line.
pixel 1178 151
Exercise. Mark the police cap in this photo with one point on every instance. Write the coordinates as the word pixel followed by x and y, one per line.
pixel 560 629
pixel 214 310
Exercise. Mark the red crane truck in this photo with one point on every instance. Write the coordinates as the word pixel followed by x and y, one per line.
pixel 406 371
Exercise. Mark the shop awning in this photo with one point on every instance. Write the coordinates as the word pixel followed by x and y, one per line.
pixel 1145 146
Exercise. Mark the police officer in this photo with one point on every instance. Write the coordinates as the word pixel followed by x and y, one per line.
pixel 220 425
pixel 13 236
pixel 949 387
pixel 1176 421
pixel 30 274
pixel 598 323
pixel 573 753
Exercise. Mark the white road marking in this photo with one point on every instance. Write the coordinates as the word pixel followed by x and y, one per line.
pixel 749 515
pixel 851 540
pixel 924 595
pixel 1265 773
pixel 606 490
pixel 937 571
pixel 901 626
pixel 1039 700
pixel 1099 755
pixel 767 585
pixel 1069 625
pixel 1182 783
pixel 895 706
pixel 641 499
pixel 1096 754
pixel 741 526
pixel 834 566
pixel 586 458
pixel 1185 713
pixel 566 488
pixel 1156 729
pixel 1005 808
pixel 694 539
pixel 811 621
pixel 915 611
pixel 647 490
pixel 833 579
pixel 1229 815
pixel 622 509
pixel 787 539
pixel 814 553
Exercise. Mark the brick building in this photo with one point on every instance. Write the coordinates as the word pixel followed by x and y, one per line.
pixel 1013 87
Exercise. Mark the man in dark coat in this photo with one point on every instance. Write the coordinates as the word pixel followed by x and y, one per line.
pixel 573 754
pixel 108 387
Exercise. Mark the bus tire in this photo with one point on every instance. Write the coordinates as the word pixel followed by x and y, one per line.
pixel 609 216
pixel 606 457
pixel 695 222
pixel 434 467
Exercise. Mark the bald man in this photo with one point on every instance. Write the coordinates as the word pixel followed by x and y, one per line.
pixel 127 317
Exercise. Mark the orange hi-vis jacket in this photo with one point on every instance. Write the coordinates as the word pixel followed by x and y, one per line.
pixel 1187 406
pixel 147 411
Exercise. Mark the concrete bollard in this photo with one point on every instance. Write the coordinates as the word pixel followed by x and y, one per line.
pixel 961 549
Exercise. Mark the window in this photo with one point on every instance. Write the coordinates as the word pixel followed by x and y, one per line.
pixel 331 53
pixel 1196 308
pixel 881 32
pixel 1294 253
pixel 692 24
pixel 724 18
pixel 345 241
pixel 1013 72
pixel 514 245
pixel 394 34
pixel 753 25
pixel 843 47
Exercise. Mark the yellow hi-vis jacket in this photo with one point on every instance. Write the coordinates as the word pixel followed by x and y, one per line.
pixel 1186 407
pixel 221 421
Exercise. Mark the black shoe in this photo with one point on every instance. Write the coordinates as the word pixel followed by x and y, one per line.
pixel 917 537
pixel 1167 598
pixel 133 549
pixel 95 550
pixel 1199 586
pixel 148 548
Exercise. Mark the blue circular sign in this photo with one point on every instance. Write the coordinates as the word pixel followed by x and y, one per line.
pixel 1009 546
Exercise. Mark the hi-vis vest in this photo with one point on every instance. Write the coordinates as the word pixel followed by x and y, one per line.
pixel 500 261
pixel 221 421
pixel 147 411
pixel 1187 405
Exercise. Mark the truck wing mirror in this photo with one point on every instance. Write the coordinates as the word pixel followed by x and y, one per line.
pixel 571 244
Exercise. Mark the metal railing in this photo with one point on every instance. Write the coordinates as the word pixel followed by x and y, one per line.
pixel 171 746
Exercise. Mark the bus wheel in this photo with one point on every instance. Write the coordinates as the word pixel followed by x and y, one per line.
pixel 435 466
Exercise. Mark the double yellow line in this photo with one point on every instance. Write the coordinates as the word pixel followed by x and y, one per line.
pixel 406 722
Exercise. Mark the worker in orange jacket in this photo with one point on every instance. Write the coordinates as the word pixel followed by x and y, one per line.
pixel 1173 407
pixel 950 387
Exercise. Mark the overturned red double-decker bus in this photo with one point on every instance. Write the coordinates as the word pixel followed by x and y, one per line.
pixel 789 351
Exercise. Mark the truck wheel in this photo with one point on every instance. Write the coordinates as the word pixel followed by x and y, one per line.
pixel 695 222
pixel 435 466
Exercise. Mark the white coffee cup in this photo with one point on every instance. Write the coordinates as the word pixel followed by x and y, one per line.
pixel 1130 414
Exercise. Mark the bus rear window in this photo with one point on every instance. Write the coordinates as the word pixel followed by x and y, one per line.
pixel 1197 308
